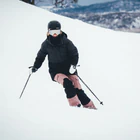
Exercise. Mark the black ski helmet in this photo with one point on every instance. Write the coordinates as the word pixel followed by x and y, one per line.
pixel 54 25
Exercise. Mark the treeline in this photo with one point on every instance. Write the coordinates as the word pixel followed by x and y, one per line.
pixel 55 2
pixel 29 1
pixel 64 2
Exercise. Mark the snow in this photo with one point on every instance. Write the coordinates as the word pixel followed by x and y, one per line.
pixel 109 65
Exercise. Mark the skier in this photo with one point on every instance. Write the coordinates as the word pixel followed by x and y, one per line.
pixel 62 60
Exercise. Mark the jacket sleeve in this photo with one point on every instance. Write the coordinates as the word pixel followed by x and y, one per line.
pixel 73 53
pixel 40 56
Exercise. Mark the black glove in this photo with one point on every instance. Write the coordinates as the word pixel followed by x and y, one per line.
pixel 34 69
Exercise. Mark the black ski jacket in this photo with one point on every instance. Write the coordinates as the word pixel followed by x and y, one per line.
pixel 60 55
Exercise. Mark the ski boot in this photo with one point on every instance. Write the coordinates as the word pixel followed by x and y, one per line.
pixel 85 100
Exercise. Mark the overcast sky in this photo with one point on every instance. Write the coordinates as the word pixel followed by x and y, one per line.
pixel 88 2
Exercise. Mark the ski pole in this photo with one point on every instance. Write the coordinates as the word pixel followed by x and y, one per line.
pixel 25 85
pixel 90 90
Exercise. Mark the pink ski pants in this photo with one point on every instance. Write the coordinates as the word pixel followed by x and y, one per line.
pixel 60 78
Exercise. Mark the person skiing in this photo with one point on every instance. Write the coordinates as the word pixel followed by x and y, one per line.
pixel 62 60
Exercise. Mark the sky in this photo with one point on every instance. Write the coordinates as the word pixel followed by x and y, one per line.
pixel 80 2
pixel 108 64
pixel 88 2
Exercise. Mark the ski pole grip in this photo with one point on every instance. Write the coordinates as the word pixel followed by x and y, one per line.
pixel 30 67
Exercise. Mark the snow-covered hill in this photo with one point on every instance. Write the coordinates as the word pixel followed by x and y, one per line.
pixel 109 65
pixel 122 15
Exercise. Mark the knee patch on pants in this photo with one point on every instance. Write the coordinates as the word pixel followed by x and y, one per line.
pixel 69 88
pixel 67 83
pixel 82 96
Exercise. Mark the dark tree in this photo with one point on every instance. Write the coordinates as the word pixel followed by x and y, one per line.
pixel 29 1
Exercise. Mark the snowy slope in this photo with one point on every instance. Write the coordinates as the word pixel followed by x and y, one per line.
pixel 109 65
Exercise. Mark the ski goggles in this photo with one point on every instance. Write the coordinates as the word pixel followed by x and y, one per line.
pixel 52 32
